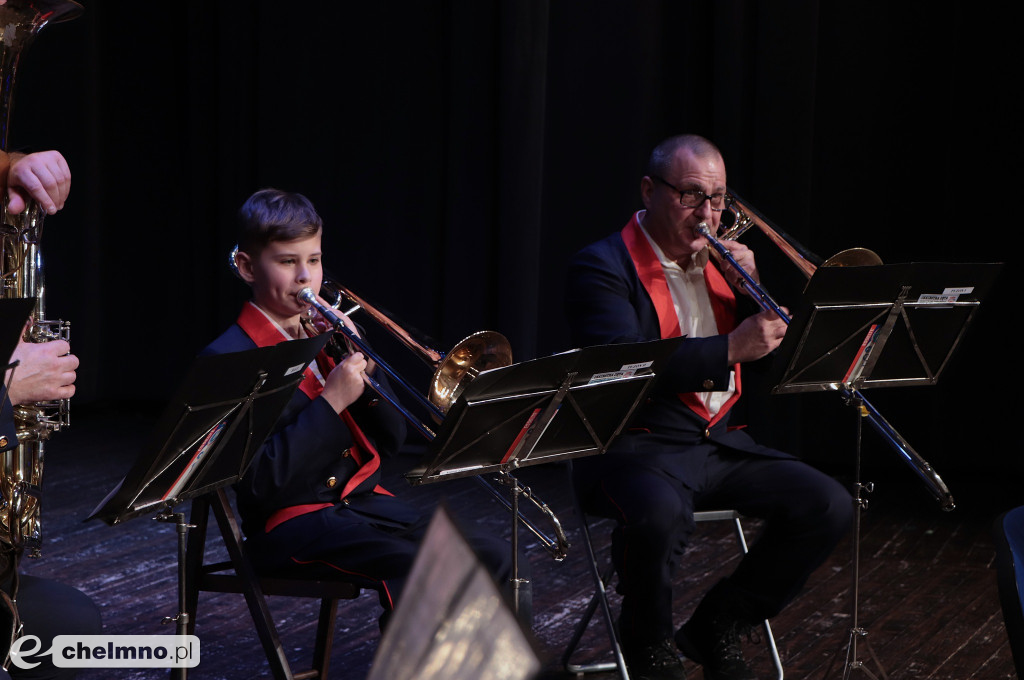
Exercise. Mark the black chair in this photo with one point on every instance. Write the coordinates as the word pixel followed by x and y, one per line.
pixel 1008 533
pixel 600 598
pixel 237 575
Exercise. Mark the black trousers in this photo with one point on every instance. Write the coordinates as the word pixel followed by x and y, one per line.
pixel 47 609
pixel 806 513
pixel 372 542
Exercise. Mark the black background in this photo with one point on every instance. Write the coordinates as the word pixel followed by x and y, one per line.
pixel 460 152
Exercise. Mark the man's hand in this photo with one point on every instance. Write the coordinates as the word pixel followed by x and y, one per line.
pixel 756 336
pixel 744 257
pixel 43 176
pixel 46 371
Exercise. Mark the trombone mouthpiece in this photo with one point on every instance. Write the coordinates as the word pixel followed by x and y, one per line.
pixel 306 295
pixel 703 229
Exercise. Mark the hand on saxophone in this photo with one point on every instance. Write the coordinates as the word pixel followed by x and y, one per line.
pixel 45 372
pixel 43 176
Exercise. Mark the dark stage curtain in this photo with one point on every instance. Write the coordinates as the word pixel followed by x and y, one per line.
pixel 460 152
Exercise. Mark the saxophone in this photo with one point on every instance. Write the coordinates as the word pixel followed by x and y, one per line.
pixel 21 276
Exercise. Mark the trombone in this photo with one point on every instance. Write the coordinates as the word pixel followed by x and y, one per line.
pixel 808 263
pixel 477 353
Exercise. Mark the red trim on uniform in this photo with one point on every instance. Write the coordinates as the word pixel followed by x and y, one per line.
pixel 723 305
pixel 291 512
pixel 383 584
pixel 363 451
pixel 261 331
pixel 651 274
pixel 723 299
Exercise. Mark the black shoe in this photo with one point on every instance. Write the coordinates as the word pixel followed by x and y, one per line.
pixel 713 636
pixel 722 659
pixel 655 662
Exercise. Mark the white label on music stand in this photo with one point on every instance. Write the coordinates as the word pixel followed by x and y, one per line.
pixel 610 375
pixel 638 366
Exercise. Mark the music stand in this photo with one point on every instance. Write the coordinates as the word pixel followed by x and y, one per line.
pixel 886 325
pixel 222 412
pixel 549 409
pixel 458 607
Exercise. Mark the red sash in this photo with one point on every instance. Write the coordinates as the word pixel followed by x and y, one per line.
pixel 264 333
pixel 723 304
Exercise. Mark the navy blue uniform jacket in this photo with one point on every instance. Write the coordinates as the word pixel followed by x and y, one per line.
pixel 304 460
pixel 606 302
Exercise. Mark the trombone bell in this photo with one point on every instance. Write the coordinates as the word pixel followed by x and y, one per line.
pixel 453 371
pixel 479 352
pixel 853 257
pixel 745 217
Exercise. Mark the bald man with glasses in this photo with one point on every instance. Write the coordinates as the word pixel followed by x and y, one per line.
pixel 680 453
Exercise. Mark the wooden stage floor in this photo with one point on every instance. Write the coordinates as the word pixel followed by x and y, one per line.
pixel 927 590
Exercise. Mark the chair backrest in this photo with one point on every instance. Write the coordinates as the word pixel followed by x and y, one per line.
pixel 1008 533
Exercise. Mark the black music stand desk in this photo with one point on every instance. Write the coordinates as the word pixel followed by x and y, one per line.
pixel 205 438
pixel 553 408
pixel 222 412
pixel 880 326
pixel 884 325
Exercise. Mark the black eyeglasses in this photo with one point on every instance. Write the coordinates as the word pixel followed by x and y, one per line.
pixel 694 198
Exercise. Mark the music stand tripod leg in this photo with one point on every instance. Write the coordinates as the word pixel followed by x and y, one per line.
pixel 182 618
pixel 516 581
pixel 860 504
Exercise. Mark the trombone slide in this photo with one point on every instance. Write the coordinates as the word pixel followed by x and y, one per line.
pixel 557 546
pixel 849 394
